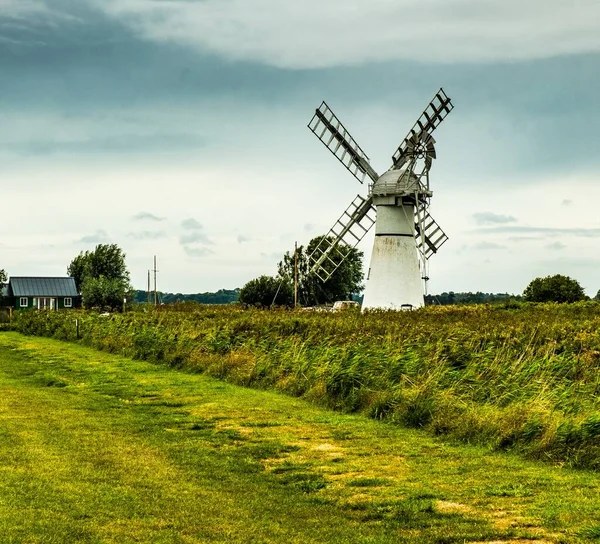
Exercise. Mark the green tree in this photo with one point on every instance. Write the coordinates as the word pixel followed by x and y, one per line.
pixel 3 280
pixel 101 277
pixel 555 288
pixel 267 290
pixel 102 293
pixel 345 281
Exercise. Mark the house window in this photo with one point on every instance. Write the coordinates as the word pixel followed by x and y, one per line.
pixel 23 302
pixel 68 302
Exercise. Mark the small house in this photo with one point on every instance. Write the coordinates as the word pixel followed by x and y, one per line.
pixel 42 293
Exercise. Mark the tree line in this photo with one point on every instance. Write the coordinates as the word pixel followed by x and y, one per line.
pixel 103 280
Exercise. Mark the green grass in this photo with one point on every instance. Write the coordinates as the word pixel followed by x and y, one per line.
pixel 100 448
pixel 516 377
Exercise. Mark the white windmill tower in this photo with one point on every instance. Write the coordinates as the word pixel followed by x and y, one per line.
pixel 397 203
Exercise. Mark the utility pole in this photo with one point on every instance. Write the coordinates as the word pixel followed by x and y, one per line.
pixel 148 291
pixel 155 294
pixel 295 274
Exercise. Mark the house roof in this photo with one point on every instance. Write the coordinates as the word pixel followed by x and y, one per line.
pixel 23 286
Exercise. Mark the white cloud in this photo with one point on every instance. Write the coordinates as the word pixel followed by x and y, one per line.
pixel 314 34
pixel 490 218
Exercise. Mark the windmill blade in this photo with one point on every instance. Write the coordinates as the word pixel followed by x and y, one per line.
pixel 345 234
pixel 329 129
pixel 429 235
pixel 437 110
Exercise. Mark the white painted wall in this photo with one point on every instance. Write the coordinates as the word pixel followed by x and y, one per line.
pixel 394 277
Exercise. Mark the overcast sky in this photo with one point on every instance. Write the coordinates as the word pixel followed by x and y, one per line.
pixel 177 128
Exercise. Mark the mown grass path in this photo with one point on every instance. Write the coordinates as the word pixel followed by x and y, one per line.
pixel 99 448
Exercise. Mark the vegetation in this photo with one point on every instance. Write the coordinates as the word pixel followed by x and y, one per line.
pixel 101 276
pixel 520 377
pixel 3 280
pixel 222 296
pixel 344 282
pixel 100 448
pixel 451 297
pixel 267 291
pixel 554 289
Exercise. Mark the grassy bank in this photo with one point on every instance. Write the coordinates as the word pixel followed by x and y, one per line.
pixel 522 378
pixel 99 448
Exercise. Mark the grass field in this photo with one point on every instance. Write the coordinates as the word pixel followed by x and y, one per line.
pixel 100 448
pixel 514 377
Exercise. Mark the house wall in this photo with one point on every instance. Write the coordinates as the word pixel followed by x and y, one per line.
pixel 16 303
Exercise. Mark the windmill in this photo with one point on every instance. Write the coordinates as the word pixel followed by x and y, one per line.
pixel 397 204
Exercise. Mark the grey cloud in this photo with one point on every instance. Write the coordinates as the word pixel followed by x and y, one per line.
pixel 489 245
pixel 194 242
pixel 117 144
pixel 273 256
pixel 309 227
pixel 523 238
pixel 486 218
pixel 555 246
pixel 99 237
pixel 456 30
pixel 148 235
pixel 195 238
pixel 544 231
pixel 241 239
pixel 197 251
pixel 191 224
pixel 147 216
pixel 567 202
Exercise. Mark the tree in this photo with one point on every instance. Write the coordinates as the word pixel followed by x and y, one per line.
pixel 101 276
pixel 556 288
pixel 102 293
pixel 266 290
pixel 344 282
pixel 3 280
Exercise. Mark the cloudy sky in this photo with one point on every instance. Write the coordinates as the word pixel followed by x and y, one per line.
pixel 177 128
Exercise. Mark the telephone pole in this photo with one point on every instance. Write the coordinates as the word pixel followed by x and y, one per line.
pixel 155 293
pixel 295 274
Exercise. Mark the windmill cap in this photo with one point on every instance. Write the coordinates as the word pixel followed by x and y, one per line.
pixel 396 182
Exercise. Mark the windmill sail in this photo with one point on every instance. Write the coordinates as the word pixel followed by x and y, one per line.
pixel 434 114
pixel 345 234
pixel 429 235
pixel 329 129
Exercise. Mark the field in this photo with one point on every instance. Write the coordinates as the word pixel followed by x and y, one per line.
pixel 97 447
pixel 516 377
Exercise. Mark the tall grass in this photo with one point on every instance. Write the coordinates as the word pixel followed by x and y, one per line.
pixel 523 378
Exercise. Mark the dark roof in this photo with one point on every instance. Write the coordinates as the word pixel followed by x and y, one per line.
pixel 42 287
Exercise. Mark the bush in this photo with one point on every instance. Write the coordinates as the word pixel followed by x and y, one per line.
pixel 267 291
pixel 554 289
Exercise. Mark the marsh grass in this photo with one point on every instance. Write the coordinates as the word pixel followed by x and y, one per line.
pixel 522 378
